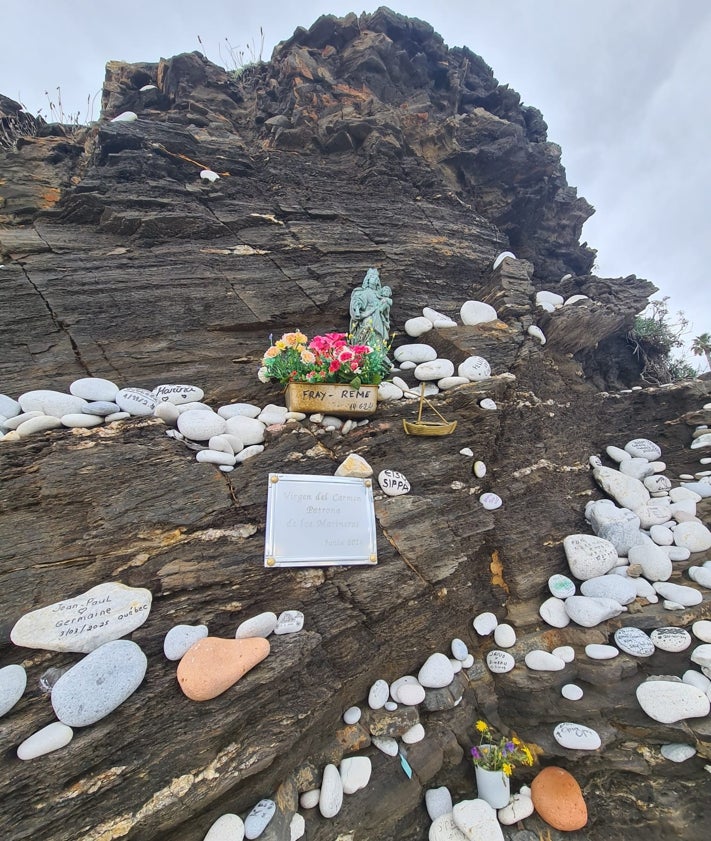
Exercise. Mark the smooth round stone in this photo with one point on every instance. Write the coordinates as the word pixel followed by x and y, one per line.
pixel 261 625
pixel 597 651
pixel 177 394
pixel 397 684
pixel 272 414
pixel 297 827
pixel 438 319
pixel 43 423
pixel 354 466
pixel 697 679
pixel 553 612
pixel 416 353
pixel 102 408
pixel 701 655
pixel 657 483
pixel 193 406
pixel 9 407
pixel 558 799
pixel 627 491
pixel 443 828
pixel 692 536
pixel 677 553
pixel 576 736
pixel 456 665
pixel 138 402
pixel 393 483
pixel 477 312
pixel 615 587
pixel 407 365
pixel 640 468
pixel 17 420
pixel 220 443
pixel 418 326
pixel 249 430
pixel 100 682
pixel 634 641
pixel 618 455
pixel 536 333
pixel 378 695
pixel 590 611
pixel 475 369
pixel 679 494
pixel 618 525
pixel 213 665
pixel 702 488
pixel 499 662
pixel 702 630
pixel 500 259
pixel 671 701
pixel 479 469
pixel 215 457
pixel 231 410
pixel 117 416
pixel 670 605
pixel 390 706
pixel 565 652
pixel 388 391
pixel 485 623
pixel 13 680
pixel 54 403
pixel 289 622
pixel 201 426
pixel 94 388
pixel 661 535
pixel 401 384
pixel 451 382
pixel 488 404
pixel 437 672
pixel 477 820
pixel 504 635
pixel 490 501
pixel 228 827
pixel 249 452
pixel 331 797
pixel 125 117
pixel 571 692
pixel 575 298
pixel 643 448
pixel 658 466
pixel 104 613
pixel 654 561
pixel 589 556
pixel 686 596
pixel 258 819
pixel 411 694
pixel 468 661
pixel 309 799
pixel 355 773
pixel 696 444
pixel 181 638
pixel 437 369
pixel 543 661
pixel 459 649
pixel 386 744
pixel 415 734
pixel 50 738
pixel 438 801
pixel 677 752
pixel 352 716
pixel 544 296
pixel 519 808
pixel 561 586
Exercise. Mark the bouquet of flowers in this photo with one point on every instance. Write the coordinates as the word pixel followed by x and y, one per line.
pixel 501 755
pixel 324 359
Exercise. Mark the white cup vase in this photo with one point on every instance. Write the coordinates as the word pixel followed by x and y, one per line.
pixel 492 786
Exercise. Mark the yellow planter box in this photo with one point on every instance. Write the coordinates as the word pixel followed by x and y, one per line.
pixel 338 399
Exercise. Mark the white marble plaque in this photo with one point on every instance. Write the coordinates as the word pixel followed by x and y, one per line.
pixel 319 521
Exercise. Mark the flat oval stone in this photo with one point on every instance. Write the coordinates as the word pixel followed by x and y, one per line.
pixel 543 661
pixel 485 623
pixel 215 457
pixel 249 430
pixel 590 611
pixel 437 672
pixel 102 408
pixel 438 319
pixel 616 587
pixel 479 469
pixel 94 388
pixel 13 680
pixel 701 575
pixel 702 630
pixel 589 556
pixel 289 622
pixel 634 641
pixel 272 414
pixel 671 639
pixel 84 622
pixel 258 819
pixel 678 752
pixel 475 369
pixel 661 535
pixel 177 394
pixel 181 638
pixel 9 407
pixel 331 797
pixel 415 734
pixel 627 491
pixel 228 827
pixel 438 801
pixel 378 695
pixel 309 799
pixel 504 635
pixel 17 420
pixel 477 312
pixel 499 662
pixel 553 612
pixel 50 738
pixel 247 410
pixel 693 536
pixel 576 736
pixel 42 423
pixel 490 501
pixel 451 382
pixel 352 716
pixel 411 694
pixel 617 454
pixel 535 331
pixel 558 799
pixel 643 448
pixel 459 649
pixel 520 807
pixel 388 391
pixel 544 296
pixel 418 326
pixel 687 596
pixel 355 773
pixel 138 402
pixel 561 586
pixel 393 483
pixel 416 353
pixel 477 820
pixel 437 369
pixel 213 665
pixel 655 562
pixel 443 828
pixel 386 744
pixel 99 683
pixel 671 701
pixel 54 403
pixel 571 692
pixel 84 420
pixel 199 425
pixel 597 651
pixel 261 625
pixel 565 652
pixel 657 483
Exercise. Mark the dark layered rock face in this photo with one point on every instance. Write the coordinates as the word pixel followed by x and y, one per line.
pixel 363 142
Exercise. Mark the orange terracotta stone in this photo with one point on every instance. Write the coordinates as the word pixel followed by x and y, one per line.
pixel 558 799
pixel 212 665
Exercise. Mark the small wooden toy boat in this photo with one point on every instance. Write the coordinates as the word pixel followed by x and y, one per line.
pixel 428 428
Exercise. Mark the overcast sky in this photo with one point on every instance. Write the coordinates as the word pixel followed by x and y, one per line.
pixel 622 84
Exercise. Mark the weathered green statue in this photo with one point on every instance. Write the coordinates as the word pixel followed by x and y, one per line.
pixel 370 312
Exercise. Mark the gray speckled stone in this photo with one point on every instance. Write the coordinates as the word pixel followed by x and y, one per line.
pixel 13 680
pixel 180 638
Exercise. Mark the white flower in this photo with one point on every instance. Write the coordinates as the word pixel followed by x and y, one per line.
pixel 263 375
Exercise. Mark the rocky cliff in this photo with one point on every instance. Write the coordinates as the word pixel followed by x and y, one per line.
pixel 365 141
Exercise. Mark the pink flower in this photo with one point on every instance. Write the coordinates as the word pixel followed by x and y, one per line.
pixel 334 366
pixel 345 355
